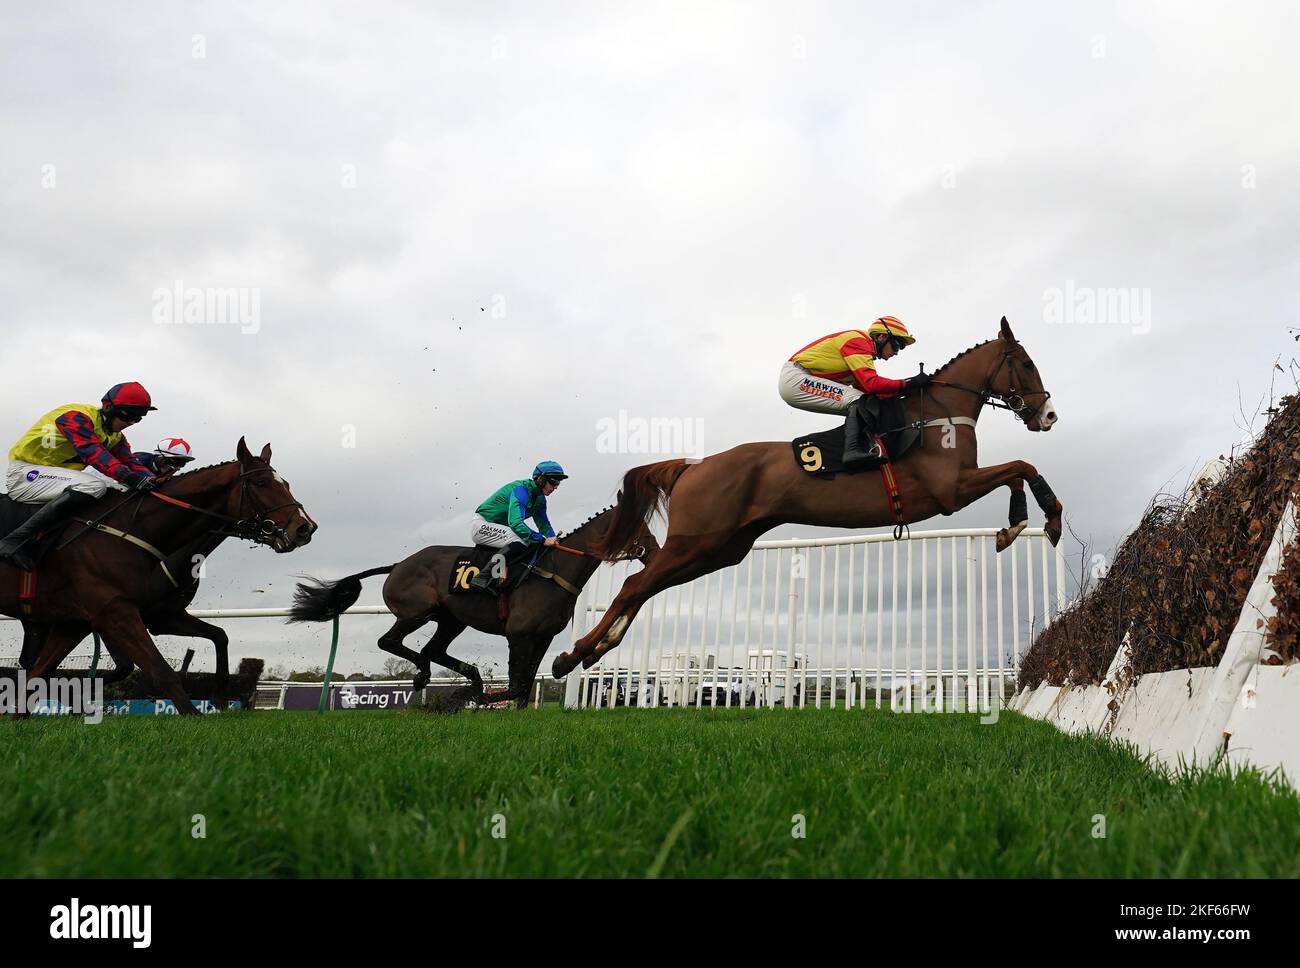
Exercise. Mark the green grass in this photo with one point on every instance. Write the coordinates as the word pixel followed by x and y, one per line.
pixel 618 793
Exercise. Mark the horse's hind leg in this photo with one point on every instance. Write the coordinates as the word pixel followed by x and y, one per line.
pixel 436 651
pixel 391 642
pixel 34 636
pixel 56 642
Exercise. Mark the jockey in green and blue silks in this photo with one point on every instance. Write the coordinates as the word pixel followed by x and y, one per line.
pixel 501 520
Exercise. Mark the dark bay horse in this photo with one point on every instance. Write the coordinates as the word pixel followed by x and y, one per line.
pixel 95 579
pixel 416 592
pixel 722 504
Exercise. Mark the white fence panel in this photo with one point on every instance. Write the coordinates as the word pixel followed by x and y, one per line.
pixel 792 625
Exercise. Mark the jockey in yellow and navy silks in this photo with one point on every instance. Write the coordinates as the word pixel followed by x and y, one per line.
pixel 501 520
pixel 73 456
pixel 833 373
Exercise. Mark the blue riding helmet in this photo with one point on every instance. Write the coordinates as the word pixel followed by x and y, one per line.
pixel 549 468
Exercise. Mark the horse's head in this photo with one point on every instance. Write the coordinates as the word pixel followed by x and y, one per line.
pixel 593 536
pixel 1017 381
pixel 273 515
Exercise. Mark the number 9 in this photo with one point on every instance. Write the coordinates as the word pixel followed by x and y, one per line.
pixel 811 458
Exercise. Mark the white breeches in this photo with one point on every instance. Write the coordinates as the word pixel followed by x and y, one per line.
pixel 816 394
pixel 484 532
pixel 40 484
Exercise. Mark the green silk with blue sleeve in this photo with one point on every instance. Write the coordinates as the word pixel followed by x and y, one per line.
pixel 513 504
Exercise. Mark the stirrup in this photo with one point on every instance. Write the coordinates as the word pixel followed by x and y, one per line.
pixel 482 580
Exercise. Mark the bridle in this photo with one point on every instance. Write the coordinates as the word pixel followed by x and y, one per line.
pixel 258 528
pixel 1013 399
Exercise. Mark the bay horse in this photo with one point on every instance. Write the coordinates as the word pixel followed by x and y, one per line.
pixel 416 592
pixel 166 613
pixel 721 505
pixel 109 572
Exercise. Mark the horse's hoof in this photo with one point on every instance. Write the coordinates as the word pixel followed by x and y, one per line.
pixel 420 681
pixel 564 664
pixel 590 660
pixel 1003 541
pixel 1053 535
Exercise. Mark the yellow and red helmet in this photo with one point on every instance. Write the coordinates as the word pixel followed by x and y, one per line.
pixel 893 327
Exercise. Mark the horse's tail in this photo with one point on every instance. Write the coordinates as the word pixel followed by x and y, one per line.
pixel 645 490
pixel 319 601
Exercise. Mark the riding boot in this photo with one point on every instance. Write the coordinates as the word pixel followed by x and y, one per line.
pixel 510 554
pixel 515 553
pixel 49 515
pixel 860 446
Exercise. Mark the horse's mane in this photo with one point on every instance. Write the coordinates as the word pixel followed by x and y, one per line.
pixel 199 470
pixel 570 534
pixel 966 352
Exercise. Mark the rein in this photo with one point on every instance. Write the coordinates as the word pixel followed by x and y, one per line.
pixel 260 528
pixel 567 585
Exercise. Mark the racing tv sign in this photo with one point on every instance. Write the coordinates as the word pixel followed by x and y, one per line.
pixel 349 695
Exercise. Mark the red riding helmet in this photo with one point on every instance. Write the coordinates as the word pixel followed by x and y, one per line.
pixel 128 395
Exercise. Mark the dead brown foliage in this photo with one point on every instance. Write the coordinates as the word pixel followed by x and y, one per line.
pixel 1178 582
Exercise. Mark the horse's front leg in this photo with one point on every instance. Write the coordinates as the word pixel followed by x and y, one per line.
pixel 526 653
pixel 974 483
pixel 120 622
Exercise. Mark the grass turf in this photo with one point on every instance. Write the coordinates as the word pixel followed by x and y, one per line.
pixel 618 793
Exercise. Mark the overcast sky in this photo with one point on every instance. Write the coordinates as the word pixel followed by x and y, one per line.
pixel 476 231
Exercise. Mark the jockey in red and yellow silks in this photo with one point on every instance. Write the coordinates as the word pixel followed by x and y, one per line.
pixel 833 373
pixel 71 456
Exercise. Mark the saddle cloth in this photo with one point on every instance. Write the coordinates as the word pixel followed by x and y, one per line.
pixel 821 454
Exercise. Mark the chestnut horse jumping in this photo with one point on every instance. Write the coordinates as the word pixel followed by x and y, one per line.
pixel 722 504
pixel 104 574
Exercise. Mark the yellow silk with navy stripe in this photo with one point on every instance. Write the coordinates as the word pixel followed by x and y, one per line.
pixel 45 444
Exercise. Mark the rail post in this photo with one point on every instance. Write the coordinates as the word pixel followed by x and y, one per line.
pixel 329 668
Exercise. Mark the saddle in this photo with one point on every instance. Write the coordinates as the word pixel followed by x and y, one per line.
pixel 821 454
pixel 471 562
